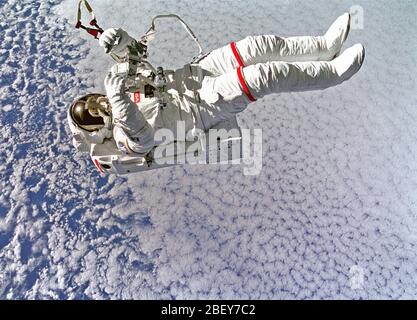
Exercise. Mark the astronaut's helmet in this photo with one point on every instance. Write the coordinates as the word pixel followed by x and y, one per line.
pixel 86 112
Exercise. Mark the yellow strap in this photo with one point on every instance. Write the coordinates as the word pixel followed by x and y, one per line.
pixel 79 11
pixel 87 5
pixel 89 8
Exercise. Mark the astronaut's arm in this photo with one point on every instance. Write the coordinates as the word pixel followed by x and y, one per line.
pixel 132 132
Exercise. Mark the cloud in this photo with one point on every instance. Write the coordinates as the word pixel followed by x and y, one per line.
pixel 336 192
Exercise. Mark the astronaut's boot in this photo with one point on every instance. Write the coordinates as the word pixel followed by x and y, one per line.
pixel 349 62
pixel 338 33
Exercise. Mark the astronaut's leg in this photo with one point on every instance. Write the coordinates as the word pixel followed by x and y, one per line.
pixel 264 48
pixel 275 77
pixel 256 81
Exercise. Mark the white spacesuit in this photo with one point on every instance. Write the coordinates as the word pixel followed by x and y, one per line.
pixel 222 83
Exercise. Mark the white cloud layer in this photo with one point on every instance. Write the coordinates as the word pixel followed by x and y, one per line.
pixel 332 215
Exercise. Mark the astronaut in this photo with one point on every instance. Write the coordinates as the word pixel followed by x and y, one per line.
pixel 214 88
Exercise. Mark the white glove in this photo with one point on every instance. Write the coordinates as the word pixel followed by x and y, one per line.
pixel 115 40
pixel 114 84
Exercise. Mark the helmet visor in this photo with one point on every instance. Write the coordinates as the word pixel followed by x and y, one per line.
pixel 84 112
